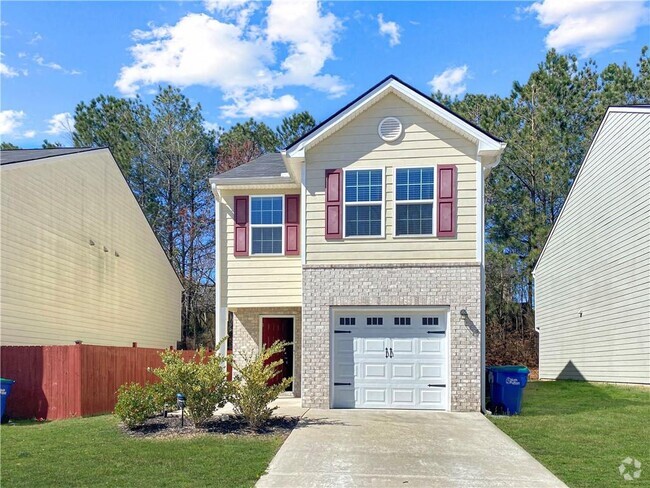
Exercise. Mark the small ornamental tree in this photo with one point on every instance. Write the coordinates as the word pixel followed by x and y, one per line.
pixel 202 379
pixel 251 391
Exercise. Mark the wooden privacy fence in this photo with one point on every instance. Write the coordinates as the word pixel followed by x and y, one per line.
pixel 57 382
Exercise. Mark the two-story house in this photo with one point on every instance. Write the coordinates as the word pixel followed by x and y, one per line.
pixel 362 245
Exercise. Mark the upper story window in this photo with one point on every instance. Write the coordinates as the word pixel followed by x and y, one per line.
pixel 364 201
pixel 267 216
pixel 414 201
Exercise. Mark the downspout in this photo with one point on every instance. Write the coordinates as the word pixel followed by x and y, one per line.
pixel 480 181
pixel 221 325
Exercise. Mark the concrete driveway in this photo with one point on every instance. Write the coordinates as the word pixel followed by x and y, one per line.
pixel 388 448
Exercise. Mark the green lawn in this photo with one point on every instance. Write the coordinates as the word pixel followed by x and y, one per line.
pixel 582 431
pixel 93 452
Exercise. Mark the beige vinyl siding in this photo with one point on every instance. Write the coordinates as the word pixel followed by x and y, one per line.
pixel 597 262
pixel 256 281
pixel 56 287
pixel 357 145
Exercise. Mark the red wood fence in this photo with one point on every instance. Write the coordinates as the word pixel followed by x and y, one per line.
pixel 57 382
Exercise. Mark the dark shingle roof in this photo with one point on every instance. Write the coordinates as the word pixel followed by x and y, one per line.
pixel 268 165
pixel 11 156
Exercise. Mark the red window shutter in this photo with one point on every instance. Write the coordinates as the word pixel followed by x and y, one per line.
pixel 292 224
pixel 241 226
pixel 334 204
pixel 446 201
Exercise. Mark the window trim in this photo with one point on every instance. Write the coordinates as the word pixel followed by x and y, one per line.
pixel 252 226
pixel 397 202
pixel 382 202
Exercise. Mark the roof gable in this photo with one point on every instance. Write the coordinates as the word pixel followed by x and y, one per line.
pixel 488 144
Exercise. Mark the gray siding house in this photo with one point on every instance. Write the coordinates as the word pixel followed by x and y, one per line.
pixel 592 281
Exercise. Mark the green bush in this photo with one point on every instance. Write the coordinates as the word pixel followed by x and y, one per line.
pixel 202 379
pixel 136 403
pixel 250 392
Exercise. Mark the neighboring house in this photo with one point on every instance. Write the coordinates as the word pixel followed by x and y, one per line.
pixel 592 280
pixel 362 244
pixel 78 259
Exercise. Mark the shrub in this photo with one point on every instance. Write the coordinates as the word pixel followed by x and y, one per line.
pixel 202 379
pixel 136 403
pixel 250 392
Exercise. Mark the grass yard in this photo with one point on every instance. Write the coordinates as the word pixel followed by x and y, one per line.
pixel 94 452
pixel 582 431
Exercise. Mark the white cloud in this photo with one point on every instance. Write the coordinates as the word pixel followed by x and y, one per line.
pixel 260 107
pixel 198 50
pixel 22 55
pixel 309 35
pixel 390 29
pixel 451 81
pixel 589 25
pixel 10 121
pixel 35 39
pixel 246 62
pixel 211 126
pixel 29 134
pixel 39 60
pixel 240 10
pixel 61 123
pixel 7 71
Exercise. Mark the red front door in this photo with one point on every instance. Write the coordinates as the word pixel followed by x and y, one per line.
pixel 279 329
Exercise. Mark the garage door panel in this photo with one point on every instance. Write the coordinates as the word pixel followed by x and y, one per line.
pixel 375 371
pixel 433 345
pixel 373 345
pixel 405 371
pixel 367 375
pixel 403 397
pixel 433 398
pixel 375 396
pixel 430 372
pixel 403 346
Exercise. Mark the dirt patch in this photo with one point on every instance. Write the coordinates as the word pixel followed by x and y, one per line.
pixel 224 425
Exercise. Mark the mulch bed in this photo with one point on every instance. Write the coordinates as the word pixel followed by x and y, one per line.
pixel 224 425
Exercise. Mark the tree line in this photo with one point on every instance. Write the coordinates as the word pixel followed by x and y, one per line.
pixel 548 122
pixel 168 154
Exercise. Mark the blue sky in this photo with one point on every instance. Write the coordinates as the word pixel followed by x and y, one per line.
pixel 242 58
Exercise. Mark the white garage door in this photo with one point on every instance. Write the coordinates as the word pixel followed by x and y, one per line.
pixel 393 358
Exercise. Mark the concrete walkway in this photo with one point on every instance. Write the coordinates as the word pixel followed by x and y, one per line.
pixel 388 448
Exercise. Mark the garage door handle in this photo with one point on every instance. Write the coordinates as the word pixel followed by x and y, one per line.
pixel 386 352
pixel 391 352
pixel 437 386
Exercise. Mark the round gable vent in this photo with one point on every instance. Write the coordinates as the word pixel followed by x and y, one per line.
pixel 390 129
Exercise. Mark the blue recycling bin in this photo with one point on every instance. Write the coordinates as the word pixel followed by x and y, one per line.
pixel 5 389
pixel 507 385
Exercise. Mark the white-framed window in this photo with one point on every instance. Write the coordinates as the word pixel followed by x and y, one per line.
pixel 364 203
pixel 414 201
pixel 267 224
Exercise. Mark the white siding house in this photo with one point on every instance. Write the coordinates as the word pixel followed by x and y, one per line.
pixel 592 281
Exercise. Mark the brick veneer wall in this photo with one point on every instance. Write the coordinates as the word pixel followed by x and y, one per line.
pixel 246 334
pixel 457 286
